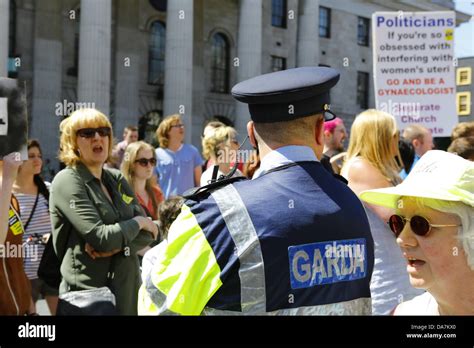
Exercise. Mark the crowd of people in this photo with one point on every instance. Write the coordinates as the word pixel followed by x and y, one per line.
pixel 113 204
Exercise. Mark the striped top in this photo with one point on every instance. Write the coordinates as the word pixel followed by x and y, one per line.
pixel 40 223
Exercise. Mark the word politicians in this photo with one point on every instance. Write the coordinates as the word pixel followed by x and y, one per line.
pixel 409 21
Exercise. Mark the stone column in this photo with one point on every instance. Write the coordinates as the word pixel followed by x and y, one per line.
pixel 4 26
pixel 307 51
pixel 95 54
pixel 127 67
pixel 249 52
pixel 178 96
pixel 47 78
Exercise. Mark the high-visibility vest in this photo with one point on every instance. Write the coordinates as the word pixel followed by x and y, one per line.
pixel 293 241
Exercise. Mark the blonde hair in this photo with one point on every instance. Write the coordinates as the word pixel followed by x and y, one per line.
pixel 162 133
pixel 211 144
pixel 208 131
pixel 371 138
pixel 129 157
pixel 82 118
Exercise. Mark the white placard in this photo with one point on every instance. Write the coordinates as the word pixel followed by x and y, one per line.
pixel 414 68
pixel 3 116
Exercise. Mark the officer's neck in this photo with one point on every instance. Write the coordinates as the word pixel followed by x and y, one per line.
pixel 265 149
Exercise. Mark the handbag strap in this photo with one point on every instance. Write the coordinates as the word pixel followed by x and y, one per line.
pixel 32 211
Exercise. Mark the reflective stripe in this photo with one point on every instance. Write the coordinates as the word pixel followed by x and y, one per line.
pixel 158 299
pixel 360 306
pixel 242 230
pixel 184 273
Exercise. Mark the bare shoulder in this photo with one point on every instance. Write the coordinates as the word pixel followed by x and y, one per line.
pixel 361 170
pixel 362 175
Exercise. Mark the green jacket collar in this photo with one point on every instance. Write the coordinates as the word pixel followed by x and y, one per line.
pixel 86 174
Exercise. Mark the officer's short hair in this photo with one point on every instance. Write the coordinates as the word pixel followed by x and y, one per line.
pixel 280 132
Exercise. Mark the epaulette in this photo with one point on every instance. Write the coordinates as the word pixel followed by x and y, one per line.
pixel 195 192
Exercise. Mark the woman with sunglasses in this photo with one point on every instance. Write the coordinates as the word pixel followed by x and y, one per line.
pixel 371 164
pixel 97 222
pixel 137 167
pixel 434 227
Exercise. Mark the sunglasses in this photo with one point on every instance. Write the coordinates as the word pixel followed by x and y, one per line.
pixel 418 224
pixel 144 161
pixel 178 126
pixel 89 133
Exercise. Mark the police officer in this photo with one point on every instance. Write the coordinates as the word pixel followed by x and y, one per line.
pixel 293 240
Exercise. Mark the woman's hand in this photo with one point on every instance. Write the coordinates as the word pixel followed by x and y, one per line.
pixel 94 254
pixel 147 225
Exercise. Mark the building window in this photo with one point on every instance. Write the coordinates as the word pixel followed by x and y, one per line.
pixel 12 29
pixel 147 125
pixel 159 5
pixel 463 76
pixel 279 9
pixel 156 55
pixel 363 25
pixel 12 68
pixel 220 64
pixel 278 63
pixel 73 71
pixel 363 89
pixel 324 22
pixel 463 103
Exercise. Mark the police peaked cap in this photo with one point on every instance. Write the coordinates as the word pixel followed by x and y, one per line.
pixel 288 94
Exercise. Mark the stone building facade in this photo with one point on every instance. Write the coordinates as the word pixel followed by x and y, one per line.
pixel 138 60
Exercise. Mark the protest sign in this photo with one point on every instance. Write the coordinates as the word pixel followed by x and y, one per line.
pixel 414 68
pixel 13 118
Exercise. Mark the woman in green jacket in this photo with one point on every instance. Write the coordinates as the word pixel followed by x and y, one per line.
pixel 98 225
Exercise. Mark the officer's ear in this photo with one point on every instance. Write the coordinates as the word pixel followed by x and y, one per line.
pixel 251 133
pixel 319 134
